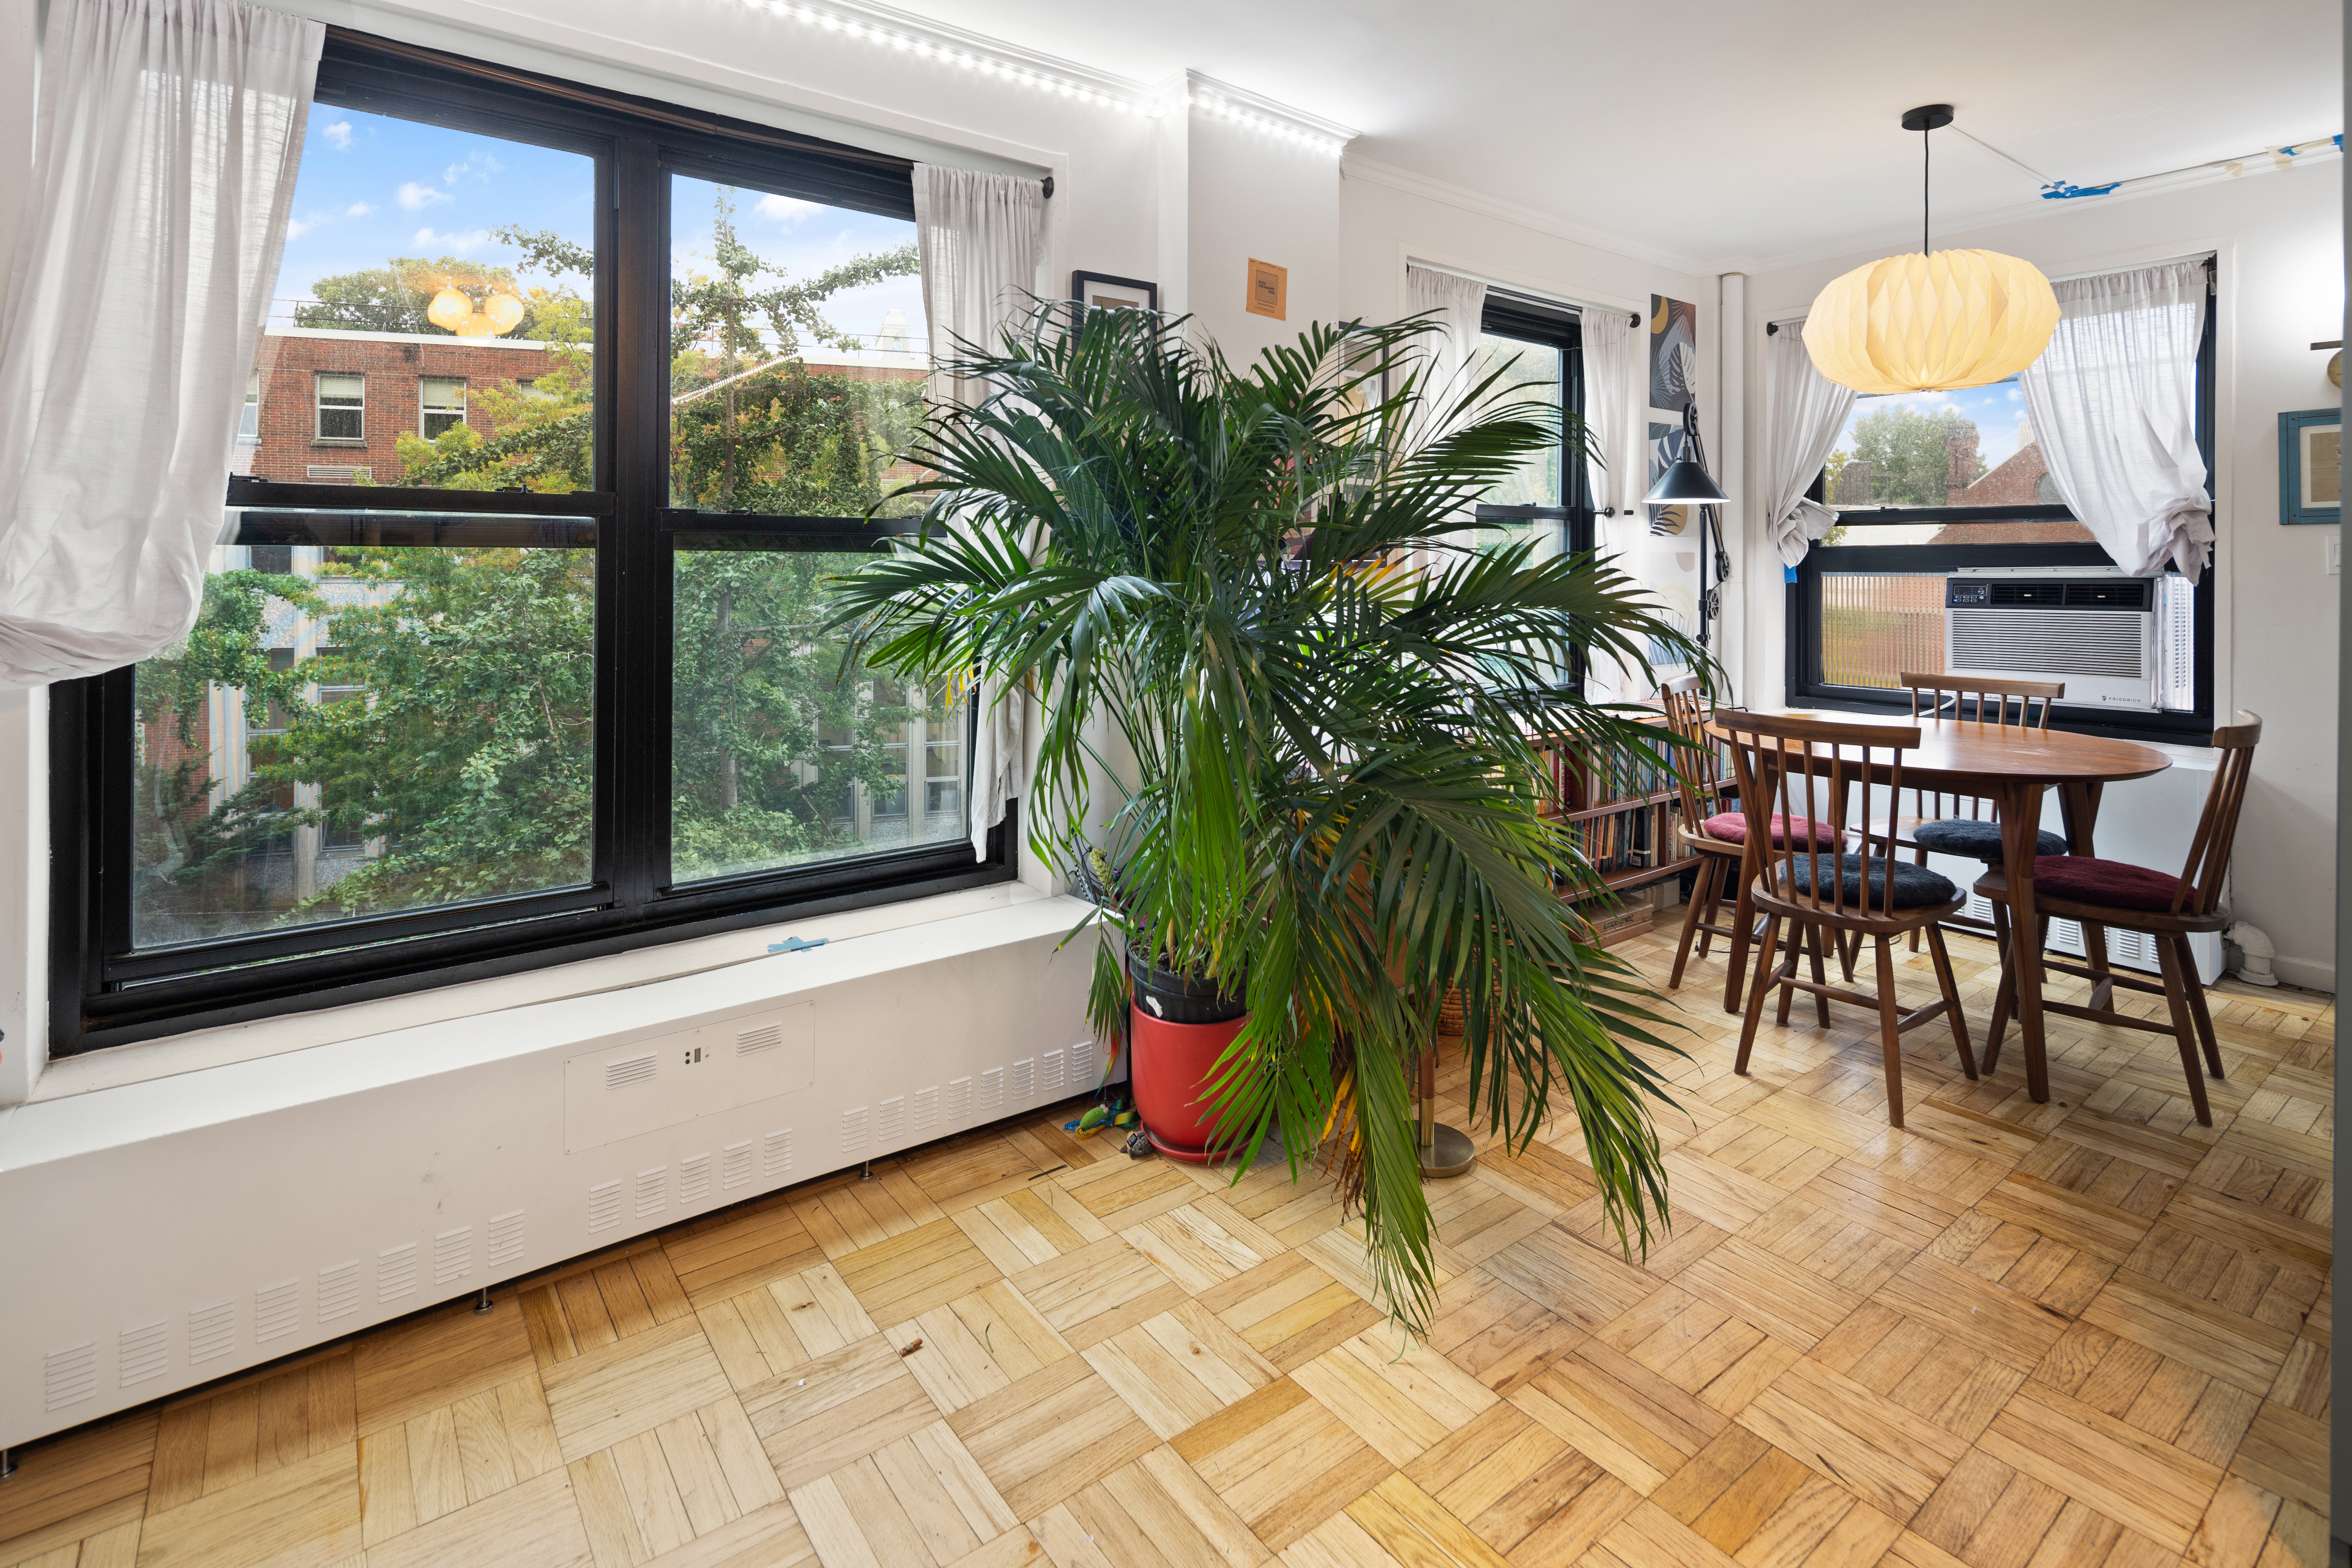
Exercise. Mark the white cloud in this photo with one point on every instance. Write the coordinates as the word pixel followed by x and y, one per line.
pixel 297 227
pixel 338 135
pixel 786 210
pixel 359 209
pixel 417 197
pixel 464 244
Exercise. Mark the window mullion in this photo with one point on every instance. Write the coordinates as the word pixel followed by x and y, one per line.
pixel 633 764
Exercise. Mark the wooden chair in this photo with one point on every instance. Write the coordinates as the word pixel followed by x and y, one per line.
pixel 2103 893
pixel 1716 834
pixel 1790 767
pixel 1969 826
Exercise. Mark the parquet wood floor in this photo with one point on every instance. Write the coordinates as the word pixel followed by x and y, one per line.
pixel 2084 1334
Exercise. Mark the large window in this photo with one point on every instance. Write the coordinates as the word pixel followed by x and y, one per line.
pixel 1537 347
pixel 1952 550
pixel 543 663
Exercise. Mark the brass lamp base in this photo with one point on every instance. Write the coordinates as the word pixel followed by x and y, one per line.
pixel 1448 1151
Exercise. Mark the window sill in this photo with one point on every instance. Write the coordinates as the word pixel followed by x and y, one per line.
pixel 201 1049
pixel 343 441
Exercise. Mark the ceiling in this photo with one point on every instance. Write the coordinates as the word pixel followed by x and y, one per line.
pixel 1737 133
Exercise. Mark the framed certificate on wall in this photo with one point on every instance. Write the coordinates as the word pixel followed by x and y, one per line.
pixel 2311 466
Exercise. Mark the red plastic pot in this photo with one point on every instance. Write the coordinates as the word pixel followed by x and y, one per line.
pixel 1170 1066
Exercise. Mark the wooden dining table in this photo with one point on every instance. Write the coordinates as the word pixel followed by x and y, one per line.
pixel 2011 766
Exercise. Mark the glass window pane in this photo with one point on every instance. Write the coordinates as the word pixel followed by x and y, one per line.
pixel 1875 627
pixel 799 354
pixel 1534 372
pixel 360 728
pixel 417 257
pixel 778 755
pixel 1971 447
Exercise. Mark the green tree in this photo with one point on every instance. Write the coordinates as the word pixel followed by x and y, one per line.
pixel 394 298
pixel 1910 453
pixel 725 323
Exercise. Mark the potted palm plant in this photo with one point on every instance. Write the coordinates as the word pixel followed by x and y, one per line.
pixel 1291 725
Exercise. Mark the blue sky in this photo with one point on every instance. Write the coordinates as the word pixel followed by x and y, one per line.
pixel 1999 411
pixel 372 187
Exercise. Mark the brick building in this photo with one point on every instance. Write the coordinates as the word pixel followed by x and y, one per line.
pixel 2021 480
pixel 324 404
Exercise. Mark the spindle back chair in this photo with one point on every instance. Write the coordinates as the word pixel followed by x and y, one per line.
pixel 1794 765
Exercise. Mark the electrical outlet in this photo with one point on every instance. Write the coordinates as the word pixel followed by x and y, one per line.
pixel 2335 555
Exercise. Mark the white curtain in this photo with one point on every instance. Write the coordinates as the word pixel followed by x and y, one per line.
pixel 1803 412
pixel 977 236
pixel 167 136
pixel 2114 405
pixel 1611 358
pixel 1451 343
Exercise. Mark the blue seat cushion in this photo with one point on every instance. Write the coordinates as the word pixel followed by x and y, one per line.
pixel 1915 887
pixel 1978 841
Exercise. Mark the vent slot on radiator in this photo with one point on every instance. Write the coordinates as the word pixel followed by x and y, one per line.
pixel 141 1353
pixel 1049 1075
pixel 766 1037
pixel 853 1130
pixel 396 1272
pixel 277 1310
pixel 69 1376
pixel 693 1179
pixel 735 1165
pixel 653 1190
pixel 890 1118
pixel 453 1255
pixel 212 1331
pixel 604 1206
pixel 776 1153
pixel 630 1070
pixel 339 1291
pixel 927 1109
pixel 506 1239
pixel 959 1098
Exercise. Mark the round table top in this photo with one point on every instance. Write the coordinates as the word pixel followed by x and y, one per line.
pixel 1956 750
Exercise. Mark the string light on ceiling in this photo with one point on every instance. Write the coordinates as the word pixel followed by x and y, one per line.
pixel 1936 321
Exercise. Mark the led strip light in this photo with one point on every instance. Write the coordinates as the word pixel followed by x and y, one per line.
pixel 908 35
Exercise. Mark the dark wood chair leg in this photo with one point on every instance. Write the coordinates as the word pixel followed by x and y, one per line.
pixel 2184 1029
pixel 1890 1038
pixel 2195 986
pixel 1724 871
pixel 1708 872
pixel 2095 954
pixel 1755 990
pixel 1743 918
pixel 1813 944
pixel 1950 990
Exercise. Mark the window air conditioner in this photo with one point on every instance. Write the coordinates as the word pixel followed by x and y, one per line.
pixel 2117 642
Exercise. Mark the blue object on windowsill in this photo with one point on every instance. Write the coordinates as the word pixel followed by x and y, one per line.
pixel 796 945
pixel 1788 574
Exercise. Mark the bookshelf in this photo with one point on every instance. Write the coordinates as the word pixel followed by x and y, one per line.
pixel 1622 810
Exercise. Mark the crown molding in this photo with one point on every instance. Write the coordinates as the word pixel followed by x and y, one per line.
pixel 1356 166
pixel 888 28
pixel 1206 95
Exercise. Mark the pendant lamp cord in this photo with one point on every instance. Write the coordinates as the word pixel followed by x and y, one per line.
pixel 1924 132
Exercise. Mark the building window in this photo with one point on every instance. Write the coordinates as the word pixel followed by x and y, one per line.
pixel 248 422
pixel 441 404
pixel 343 407
pixel 1952 550
pixel 1537 348
pixel 484 737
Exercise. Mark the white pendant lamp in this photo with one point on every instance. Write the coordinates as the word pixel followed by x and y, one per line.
pixel 1931 322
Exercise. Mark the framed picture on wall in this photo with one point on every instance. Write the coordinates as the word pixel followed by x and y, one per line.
pixel 1100 288
pixel 1269 290
pixel 2311 466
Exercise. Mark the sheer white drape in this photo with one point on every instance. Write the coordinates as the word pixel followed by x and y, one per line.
pixel 2114 405
pixel 977 236
pixel 1610 361
pixel 1803 412
pixel 167 137
pixel 1451 341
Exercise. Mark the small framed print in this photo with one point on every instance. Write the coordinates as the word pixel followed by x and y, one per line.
pixel 2311 466
pixel 1269 290
pixel 1100 288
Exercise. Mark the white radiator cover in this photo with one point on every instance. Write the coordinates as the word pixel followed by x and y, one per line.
pixel 164 1233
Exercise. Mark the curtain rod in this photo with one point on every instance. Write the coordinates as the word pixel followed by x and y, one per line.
pixel 1555 301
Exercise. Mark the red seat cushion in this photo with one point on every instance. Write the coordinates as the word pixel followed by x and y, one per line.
pixel 1732 826
pixel 2087 879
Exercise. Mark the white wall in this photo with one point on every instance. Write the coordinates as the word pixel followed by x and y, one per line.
pixel 2281 289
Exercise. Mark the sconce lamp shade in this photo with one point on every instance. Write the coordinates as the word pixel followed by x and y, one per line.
pixel 1683 482
pixel 1931 323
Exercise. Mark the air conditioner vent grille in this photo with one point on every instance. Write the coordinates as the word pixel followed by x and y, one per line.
pixel 212 1331
pixel 735 1165
pixel 693 1179
pixel 765 1038
pixel 453 1255
pixel 604 1206
pixel 776 1153
pixel 396 1272
pixel 2090 645
pixel 653 1190
pixel 339 1291
pixel 506 1239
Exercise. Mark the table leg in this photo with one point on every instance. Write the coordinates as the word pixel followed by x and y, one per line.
pixel 2078 805
pixel 2020 813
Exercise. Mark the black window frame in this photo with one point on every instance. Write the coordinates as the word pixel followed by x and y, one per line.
pixel 1533 321
pixel 1805 685
pixel 104 993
